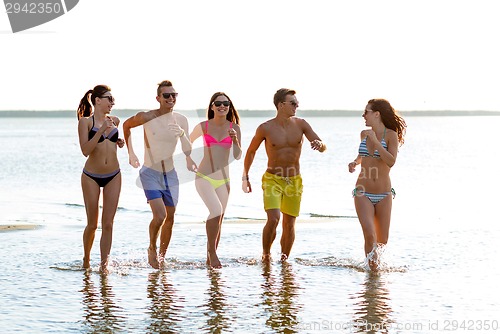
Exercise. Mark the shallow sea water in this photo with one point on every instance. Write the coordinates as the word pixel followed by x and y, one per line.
pixel 440 266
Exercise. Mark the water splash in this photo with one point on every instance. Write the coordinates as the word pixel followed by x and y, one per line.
pixel 348 263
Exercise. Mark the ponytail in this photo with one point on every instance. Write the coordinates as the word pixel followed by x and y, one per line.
pixel 85 108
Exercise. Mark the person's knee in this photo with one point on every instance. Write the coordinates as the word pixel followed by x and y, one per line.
pixel 273 220
pixel 107 226
pixel 92 225
pixel 159 218
pixel 215 211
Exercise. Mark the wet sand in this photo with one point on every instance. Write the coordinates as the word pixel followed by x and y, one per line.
pixel 15 227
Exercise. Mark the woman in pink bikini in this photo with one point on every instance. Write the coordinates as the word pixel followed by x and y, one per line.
pixel 373 192
pixel 220 133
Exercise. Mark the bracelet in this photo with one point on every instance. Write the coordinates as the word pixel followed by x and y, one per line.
pixel 245 178
pixel 182 133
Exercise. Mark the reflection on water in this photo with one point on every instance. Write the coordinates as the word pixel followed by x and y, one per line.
pixel 280 295
pixel 372 309
pixel 101 313
pixel 216 306
pixel 165 308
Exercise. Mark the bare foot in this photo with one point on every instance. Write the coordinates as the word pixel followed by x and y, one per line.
pixel 86 263
pixel 153 259
pixel 104 270
pixel 373 265
pixel 214 261
pixel 266 258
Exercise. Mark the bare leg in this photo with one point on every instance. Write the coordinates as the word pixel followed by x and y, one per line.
pixel 383 219
pixel 166 232
pixel 269 233
pixel 382 222
pixel 213 228
pixel 366 215
pixel 288 236
pixel 159 216
pixel 111 195
pixel 91 193
pixel 216 202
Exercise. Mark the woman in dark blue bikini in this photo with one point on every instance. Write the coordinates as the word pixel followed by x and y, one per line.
pixel 98 134
pixel 373 192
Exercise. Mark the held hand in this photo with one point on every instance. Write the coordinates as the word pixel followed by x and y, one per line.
pixel 246 186
pixel 176 129
pixel 352 167
pixel 233 134
pixel 120 142
pixel 317 145
pixel 371 134
pixel 191 165
pixel 108 123
pixel 133 160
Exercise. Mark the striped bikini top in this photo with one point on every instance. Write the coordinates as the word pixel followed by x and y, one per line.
pixel 363 150
pixel 209 140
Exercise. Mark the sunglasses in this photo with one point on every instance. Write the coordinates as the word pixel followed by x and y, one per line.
pixel 219 103
pixel 167 95
pixel 293 103
pixel 109 97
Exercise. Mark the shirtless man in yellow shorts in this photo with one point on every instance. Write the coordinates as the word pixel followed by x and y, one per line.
pixel 281 183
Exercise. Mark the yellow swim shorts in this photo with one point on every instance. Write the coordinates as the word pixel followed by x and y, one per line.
pixel 282 193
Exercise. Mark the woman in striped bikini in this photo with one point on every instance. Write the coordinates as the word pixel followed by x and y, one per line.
pixel 98 134
pixel 373 193
pixel 212 174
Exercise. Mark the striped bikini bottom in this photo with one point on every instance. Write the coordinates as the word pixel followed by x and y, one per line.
pixel 374 198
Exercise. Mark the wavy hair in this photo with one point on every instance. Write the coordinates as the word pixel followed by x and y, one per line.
pixel 390 117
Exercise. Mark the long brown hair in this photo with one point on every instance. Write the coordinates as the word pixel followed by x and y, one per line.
pixel 390 117
pixel 232 115
pixel 85 108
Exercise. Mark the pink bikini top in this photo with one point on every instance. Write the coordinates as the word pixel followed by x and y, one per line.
pixel 209 140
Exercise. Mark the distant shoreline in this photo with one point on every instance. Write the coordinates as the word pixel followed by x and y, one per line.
pixel 252 113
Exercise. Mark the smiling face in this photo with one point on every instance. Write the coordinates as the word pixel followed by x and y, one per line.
pixel 105 102
pixel 220 106
pixel 167 97
pixel 370 115
pixel 289 106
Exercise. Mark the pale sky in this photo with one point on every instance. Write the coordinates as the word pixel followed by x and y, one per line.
pixel 420 55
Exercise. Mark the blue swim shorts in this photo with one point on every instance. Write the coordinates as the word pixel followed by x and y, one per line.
pixel 160 185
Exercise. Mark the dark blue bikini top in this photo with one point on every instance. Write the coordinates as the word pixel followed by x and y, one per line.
pixel 363 150
pixel 112 136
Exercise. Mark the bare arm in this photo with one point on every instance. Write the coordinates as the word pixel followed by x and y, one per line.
pixel 186 144
pixel 388 156
pixel 257 139
pixel 236 137
pixel 197 132
pixel 132 122
pixel 87 146
pixel 316 143
pixel 352 165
